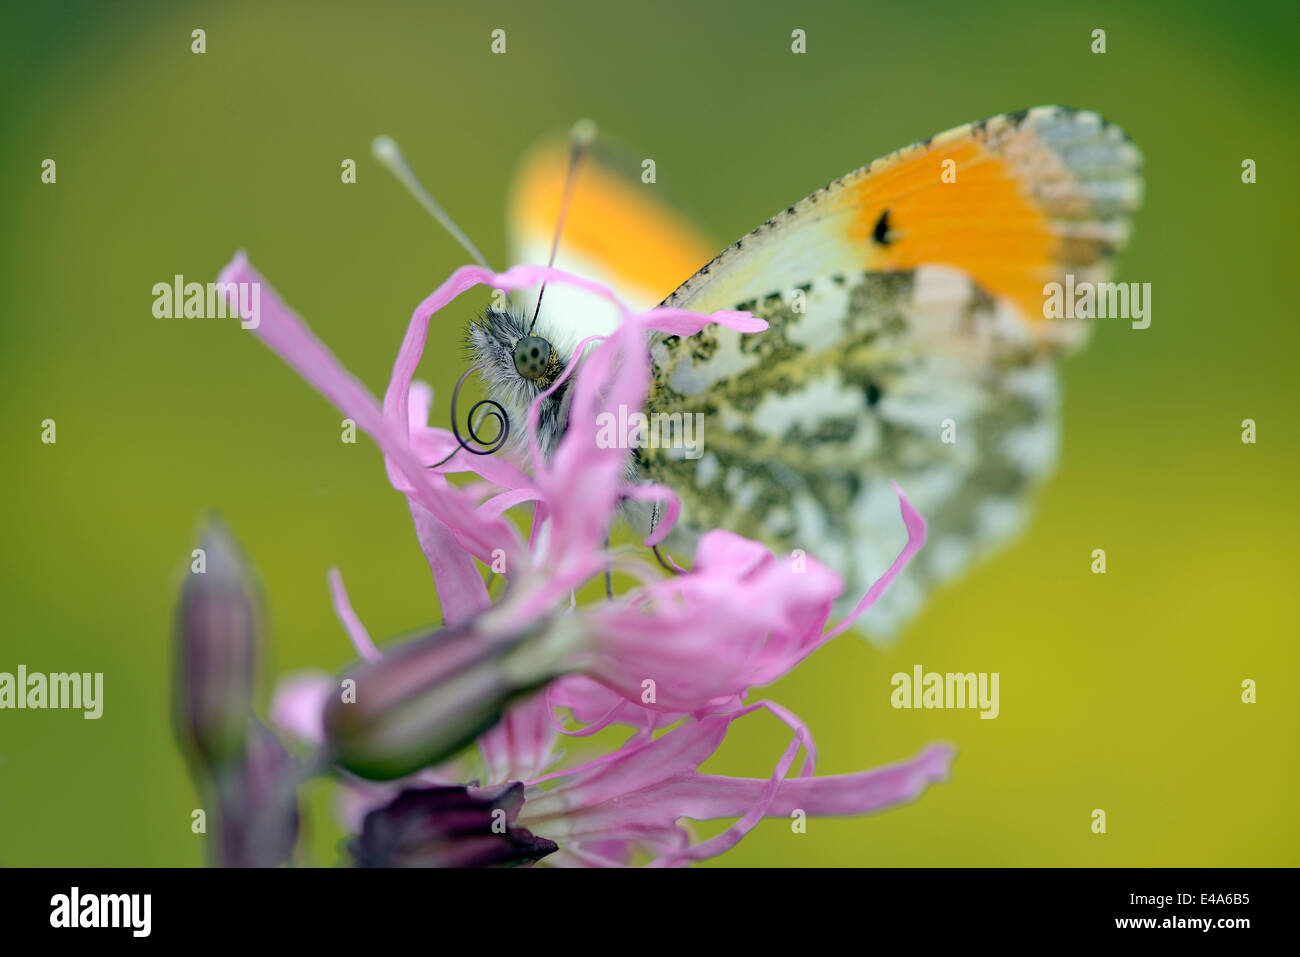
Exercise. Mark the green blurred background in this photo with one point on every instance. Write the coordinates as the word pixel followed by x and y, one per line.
pixel 1119 692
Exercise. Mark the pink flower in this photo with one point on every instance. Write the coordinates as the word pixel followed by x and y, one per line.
pixel 697 641
pixel 682 650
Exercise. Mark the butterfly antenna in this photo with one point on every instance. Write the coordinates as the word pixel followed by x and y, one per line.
pixel 386 150
pixel 584 131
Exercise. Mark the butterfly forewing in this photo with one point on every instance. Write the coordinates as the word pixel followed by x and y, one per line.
pixel 907 342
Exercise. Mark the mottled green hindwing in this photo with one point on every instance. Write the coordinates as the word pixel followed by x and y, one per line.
pixel 915 375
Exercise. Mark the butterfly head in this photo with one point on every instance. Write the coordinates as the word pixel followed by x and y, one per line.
pixel 533 357
pixel 511 355
pixel 516 364
pixel 516 367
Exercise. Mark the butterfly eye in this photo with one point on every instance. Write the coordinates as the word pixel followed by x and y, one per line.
pixel 532 357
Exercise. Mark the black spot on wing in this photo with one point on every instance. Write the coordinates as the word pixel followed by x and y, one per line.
pixel 881 233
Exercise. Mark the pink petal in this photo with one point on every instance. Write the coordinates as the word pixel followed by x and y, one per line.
pixel 706 796
pixel 500 504
pixel 738 619
pixel 915 525
pixel 461 591
pixel 598 707
pixel 683 322
pixel 348 618
pixel 629 770
pixel 753 814
pixel 521 745
pixel 582 480
pixel 421 404
pixel 534 409
pixel 298 703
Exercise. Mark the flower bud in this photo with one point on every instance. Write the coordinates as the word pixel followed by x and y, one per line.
pixel 450 827
pixel 426 700
pixel 258 801
pixel 218 647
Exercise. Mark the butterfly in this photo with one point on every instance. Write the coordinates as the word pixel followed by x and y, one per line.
pixel 906 338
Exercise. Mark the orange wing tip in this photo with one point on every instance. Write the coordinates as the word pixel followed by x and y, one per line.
pixel 1016 201
pixel 614 222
